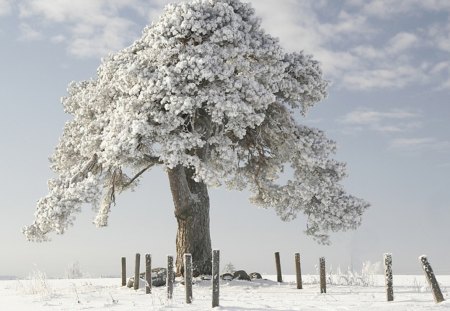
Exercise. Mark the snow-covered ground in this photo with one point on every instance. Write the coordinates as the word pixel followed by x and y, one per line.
pixel 39 293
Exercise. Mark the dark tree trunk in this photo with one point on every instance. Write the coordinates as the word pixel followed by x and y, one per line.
pixel 191 202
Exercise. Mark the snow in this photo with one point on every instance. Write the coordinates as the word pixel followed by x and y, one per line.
pixel 411 293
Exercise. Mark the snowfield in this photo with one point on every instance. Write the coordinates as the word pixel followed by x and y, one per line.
pixel 410 293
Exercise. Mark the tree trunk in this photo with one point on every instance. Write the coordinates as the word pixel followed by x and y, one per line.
pixel 191 202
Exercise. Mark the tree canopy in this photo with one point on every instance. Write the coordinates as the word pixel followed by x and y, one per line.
pixel 207 88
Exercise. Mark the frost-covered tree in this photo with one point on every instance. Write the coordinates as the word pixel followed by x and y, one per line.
pixel 211 97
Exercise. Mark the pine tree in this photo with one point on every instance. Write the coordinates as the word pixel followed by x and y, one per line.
pixel 211 97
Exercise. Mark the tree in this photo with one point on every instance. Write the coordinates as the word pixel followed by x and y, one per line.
pixel 206 93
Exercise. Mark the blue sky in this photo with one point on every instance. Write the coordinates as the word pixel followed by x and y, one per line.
pixel 388 109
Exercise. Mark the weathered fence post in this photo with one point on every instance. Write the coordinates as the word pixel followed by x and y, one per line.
pixel 388 277
pixel 278 265
pixel 431 278
pixel 124 271
pixel 298 271
pixel 188 277
pixel 136 271
pixel 215 278
pixel 170 277
pixel 323 280
pixel 148 273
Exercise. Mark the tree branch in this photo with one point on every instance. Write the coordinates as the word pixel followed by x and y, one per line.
pixel 153 160
pixel 89 167
pixel 126 185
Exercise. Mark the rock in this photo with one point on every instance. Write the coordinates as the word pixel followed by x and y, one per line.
pixel 205 277
pixel 255 275
pixel 194 281
pixel 142 282
pixel 227 277
pixel 241 275
pixel 159 276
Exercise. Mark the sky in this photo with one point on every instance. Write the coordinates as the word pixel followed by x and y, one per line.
pixel 388 109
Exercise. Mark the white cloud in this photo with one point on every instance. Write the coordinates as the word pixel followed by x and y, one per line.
pixel 90 41
pixel 387 122
pixel 389 66
pixel 362 116
pixel 440 36
pixel 394 124
pixel 368 52
pixel 441 67
pixel 299 26
pixel 445 85
pixel 445 165
pixel 434 5
pixel 89 11
pixel 58 39
pixel 291 21
pixel 29 33
pixel 90 28
pixel 427 144
pixel 388 76
pixel 356 51
pixel 386 9
pixel 390 129
pixel 5 7
pixel 402 41
pixel 155 8
pixel 415 143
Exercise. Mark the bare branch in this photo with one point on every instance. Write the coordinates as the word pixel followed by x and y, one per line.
pixel 153 160
pixel 126 185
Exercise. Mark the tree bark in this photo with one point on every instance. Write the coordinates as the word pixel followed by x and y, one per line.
pixel 191 202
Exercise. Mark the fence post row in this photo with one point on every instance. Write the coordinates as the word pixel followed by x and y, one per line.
pixel 431 278
pixel 170 277
pixel 136 271
pixel 298 271
pixel 429 274
pixel 148 273
pixel 278 265
pixel 124 271
pixel 388 277
pixel 323 280
pixel 188 277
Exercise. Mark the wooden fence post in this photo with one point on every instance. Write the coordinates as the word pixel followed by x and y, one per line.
pixel 188 277
pixel 388 277
pixel 431 278
pixel 170 277
pixel 278 265
pixel 124 271
pixel 136 271
pixel 148 273
pixel 323 280
pixel 215 278
pixel 298 271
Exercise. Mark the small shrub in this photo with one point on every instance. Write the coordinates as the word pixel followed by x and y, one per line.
pixel 229 268
pixel 74 271
pixel 36 284
pixel 352 278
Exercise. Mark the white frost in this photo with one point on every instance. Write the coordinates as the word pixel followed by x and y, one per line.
pixel 205 87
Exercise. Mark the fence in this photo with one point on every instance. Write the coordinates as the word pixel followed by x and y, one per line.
pixel 215 284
